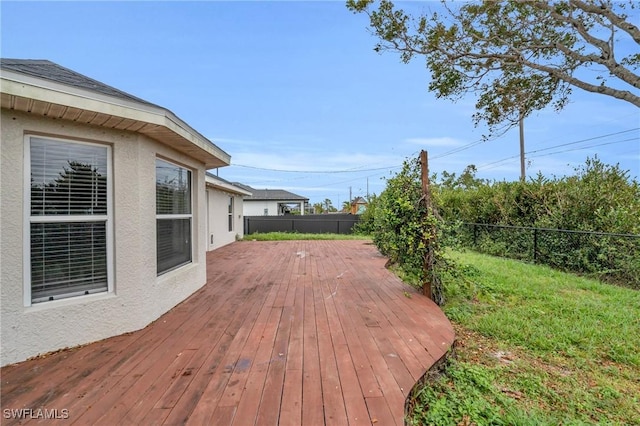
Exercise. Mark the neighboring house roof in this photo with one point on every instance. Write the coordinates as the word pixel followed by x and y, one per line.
pixel 224 185
pixel 45 88
pixel 358 205
pixel 270 194
pixel 359 200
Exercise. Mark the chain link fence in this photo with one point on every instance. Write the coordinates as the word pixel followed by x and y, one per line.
pixel 610 257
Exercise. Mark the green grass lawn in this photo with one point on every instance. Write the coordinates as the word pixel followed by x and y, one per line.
pixel 283 236
pixel 535 347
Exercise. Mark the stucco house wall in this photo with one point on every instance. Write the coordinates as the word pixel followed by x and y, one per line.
pixel 218 196
pixel 271 202
pixel 257 208
pixel 138 295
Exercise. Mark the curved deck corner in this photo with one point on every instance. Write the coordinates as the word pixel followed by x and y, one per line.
pixel 283 333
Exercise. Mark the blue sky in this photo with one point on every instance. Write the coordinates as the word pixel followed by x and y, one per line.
pixel 297 86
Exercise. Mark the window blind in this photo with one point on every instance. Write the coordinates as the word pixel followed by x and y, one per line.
pixel 173 189
pixel 173 216
pixel 69 214
pixel 68 178
pixel 174 243
pixel 67 259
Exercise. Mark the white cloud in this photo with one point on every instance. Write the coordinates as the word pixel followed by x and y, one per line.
pixel 314 161
pixel 262 165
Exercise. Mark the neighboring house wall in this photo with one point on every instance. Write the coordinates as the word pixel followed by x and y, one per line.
pixel 271 207
pixel 218 231
pixel 138 296
pixel 258 207
pixel 358 208
pixel 271 202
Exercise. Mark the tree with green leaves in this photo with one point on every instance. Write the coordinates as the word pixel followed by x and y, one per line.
pixel 517 56
pixel 328 206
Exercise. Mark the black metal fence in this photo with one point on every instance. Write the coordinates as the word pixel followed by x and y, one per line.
pixel 610 256
pixel 308 224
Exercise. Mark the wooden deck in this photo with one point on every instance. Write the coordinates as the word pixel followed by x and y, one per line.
pixel 283 333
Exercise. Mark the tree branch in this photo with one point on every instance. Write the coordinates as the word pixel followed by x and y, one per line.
pixel 615 68
pixel 617 20
pixel 514 54
pixel 578 25
pixel 624 95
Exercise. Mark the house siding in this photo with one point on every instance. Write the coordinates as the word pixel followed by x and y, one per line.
pixel 218 225
pixel 139 296
pixel 256 208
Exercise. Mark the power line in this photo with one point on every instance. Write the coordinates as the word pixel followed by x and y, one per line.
pixel 499 162
pixel 345 181
pixel 445 154
pixel 584 147
pixel 584 140
pixel 484 166
pixel 316 171
pixel 600 123
pixel 459 149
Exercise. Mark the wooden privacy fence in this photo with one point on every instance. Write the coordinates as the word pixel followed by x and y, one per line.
pixel 308 224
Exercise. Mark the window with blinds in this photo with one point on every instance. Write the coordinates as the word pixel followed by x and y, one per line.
pixel 173 216
pixel 69 218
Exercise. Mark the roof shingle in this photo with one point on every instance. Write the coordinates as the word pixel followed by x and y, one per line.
pixel 47 70
pixel 270 194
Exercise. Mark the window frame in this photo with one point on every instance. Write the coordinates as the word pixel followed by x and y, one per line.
pixel 176 216
pixel 230 211
pixel 29 219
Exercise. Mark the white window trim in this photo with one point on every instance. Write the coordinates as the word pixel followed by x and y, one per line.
pixel 231 225
pixel 28 220
pixel 174 216
pixel 177 216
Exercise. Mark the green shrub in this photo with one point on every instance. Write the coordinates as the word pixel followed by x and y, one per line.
pixel 402 228
pixel 598 198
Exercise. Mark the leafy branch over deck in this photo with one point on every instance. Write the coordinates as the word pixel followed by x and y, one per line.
pixel 517 56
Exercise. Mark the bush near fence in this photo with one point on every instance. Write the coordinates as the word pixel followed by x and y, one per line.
pixel 588 222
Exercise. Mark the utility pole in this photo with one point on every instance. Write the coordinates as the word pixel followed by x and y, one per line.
pixel 367 189
pixel 521 125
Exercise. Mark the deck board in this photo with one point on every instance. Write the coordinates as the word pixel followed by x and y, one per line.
pixel 283 333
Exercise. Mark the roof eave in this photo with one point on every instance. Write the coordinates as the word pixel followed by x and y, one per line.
pixel 50 99
pixel 292 200
pixel 212 182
